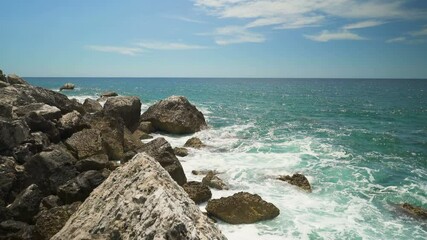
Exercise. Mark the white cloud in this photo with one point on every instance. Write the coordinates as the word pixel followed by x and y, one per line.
pixel 326 36
pixel 397 40
pixel 364 24
pixel 235 34
pixel 114 49
pixel 185 19
pixel 155 45
pixel 422 32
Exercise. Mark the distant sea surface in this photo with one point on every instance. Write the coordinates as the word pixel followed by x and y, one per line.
pixel 361 143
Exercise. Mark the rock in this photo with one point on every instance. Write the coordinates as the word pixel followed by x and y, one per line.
pixel 92 106
pixel 197 191
pixel 49 202
pixel 4 84
pixel 17 230
pixel 2 77
pixel 98 162
pixel 214 181
pixel 85 143
pixel 49 222
pixel 79 188
pixel 194 142
pixel 162 152
pixel 138 134
pixel 298 180
pixel 26 204
pixel 182 152
pixel 131 143
pixel 6 111
pixel 414 211
pixel 127 108
pixel 46 111
pixel 15 79
pixel 204 172
pixel 23 152
pixel 12 133
pixel 146 127
pixel 7 177
pixel 139 200
pixel 109 94
pixel 67 86
pixel 38 123
pixel 241 208
pixel 175 115
pixel 70 123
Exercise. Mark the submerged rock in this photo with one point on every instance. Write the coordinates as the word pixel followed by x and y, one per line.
pixel 197 191
pixel 194 142
pixel 139 200
pixel 213 181
pixel 175 115
pixel 182 152
pixel 126 108
pixel 67 86
pixel 298 180
pixel 414 211
pixel 241 208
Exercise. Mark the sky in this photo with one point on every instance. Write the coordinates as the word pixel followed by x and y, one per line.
pixel 214 38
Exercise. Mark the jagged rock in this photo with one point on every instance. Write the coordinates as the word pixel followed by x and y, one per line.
pixel 46 111
pixel 85 143
pixel 13 79
pixel 12 133
pixel 139 200
pixel 109 94
pixel 70 123
pixel 162 152
pixel 7 177
pixel 6 111
pixel 131 143
pixel 241 208
pixel 92 106
pixel 97 162
pixel 146 127
pixel 298 180
pixel 38 123
pixel 67 86
pixel 16 230
pixel 414 211
pixel 214 181
pixel 127 108
pixel 182 152
pixel 49 222
pixel 204 172
pixel 194 142
pixel 79 188
pixel 49 202
pixel 26 204
pixel 175 115
pixel 197 191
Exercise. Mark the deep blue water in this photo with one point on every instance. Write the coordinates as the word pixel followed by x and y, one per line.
pixel 361 142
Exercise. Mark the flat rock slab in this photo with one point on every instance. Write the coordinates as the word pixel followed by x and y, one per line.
pixel 139 200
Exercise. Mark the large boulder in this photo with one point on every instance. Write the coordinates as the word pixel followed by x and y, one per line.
pixel 49 222
pixel 175 115
pixel 139 200
pixel 298 180
pixel 70 123
pixel 15 79
pixel 163 153
pixel 46 111
pixel 38 123
pixel 241 208
pixel 197 191
pixel 12 133
pixel 85 143
pixel 26 204
pixel 213 181
pixel 126 108
pixel 92 106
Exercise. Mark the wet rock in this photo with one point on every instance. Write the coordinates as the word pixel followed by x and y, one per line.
pixel 175 115
pixel 162 152
pixel 7 177
pixel 97 162
pixel 85 143
pixel 194 142
pixel 46 111
pixel 67 86
pixel 146 127
pixel 242 208
pixel 182 152
pixel 79 188
pixel 49 202
pixel 26 204
pixel 17 230
pixel 50 221
pixel 127 108
pixel 12 133
pixel 298 180
pixel 197 191
pixel 414 211
pixel 92 106
pixel 13 79
pixel 139 200
pixel 214 181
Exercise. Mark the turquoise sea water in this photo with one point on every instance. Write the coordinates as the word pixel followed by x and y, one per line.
pixel 361 143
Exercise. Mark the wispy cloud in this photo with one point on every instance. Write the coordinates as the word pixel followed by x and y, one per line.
pixel 364 24
pixel 156 45
pixel 131 51
pixel 414 37
pixel 326 36
pixel 422 32
pixel 396 40
pixel 186 19
pixel 235 34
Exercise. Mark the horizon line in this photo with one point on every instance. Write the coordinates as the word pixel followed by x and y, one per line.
pixel 308 78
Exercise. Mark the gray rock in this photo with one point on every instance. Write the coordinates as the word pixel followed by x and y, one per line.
pixel 6 111
pixel 146 127
pixel 15 79
pixel 126 108
pixel 12 133
pixel 46 111
pixel 131 142
pixel 175 115
pixel 97 162
pixel 139 200
pixel 26 204
pixel 242 208
pixel 8 177
pixel 197 191
pixel 38 123
pixel 182 152
pixel 70 123
pixel 11 229
pixel 67 86
pixel 194 142
pixel 49 202
pixel 213 181
pixel 92 106
pixel 162 152
pixel 85 143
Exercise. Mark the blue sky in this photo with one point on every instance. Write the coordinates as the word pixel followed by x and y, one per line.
pixel 215 38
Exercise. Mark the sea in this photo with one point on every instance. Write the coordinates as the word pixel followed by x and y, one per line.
pixel 362 144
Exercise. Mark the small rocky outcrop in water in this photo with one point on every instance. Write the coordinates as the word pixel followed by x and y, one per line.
pixel 241 208
pixel 182 152
pixel 197 191
pixel 414 211
pixel 127 108
pixel 298 180
pixel 139 200
pixel 109 94
pixel 67 86
pixel 175 115
pixel 194 142
pixel 213 181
